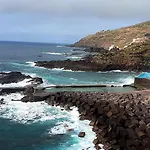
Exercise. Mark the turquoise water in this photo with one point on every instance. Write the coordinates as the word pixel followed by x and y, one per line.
pixel 60 76
pixel 144 75
pixel 37 126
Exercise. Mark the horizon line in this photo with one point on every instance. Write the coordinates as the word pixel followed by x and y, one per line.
pixel 35 42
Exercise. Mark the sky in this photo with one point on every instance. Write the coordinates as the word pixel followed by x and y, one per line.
pixel 66 21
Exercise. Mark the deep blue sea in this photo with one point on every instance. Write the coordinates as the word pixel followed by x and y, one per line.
pixel 37 126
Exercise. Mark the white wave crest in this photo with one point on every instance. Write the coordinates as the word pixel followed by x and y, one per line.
pixel 53 53
pixel 62 69
pixel 75 126
pixel 60 128
pixel 73 79
pixel 23 83
pixel 69 70
pixel 127 81
pixel 23 112
pixel 74 57
pixel 118 71
pixel 115 71
pixel 58 69
pixel 27 113
pixel 60 46
pixel 32 64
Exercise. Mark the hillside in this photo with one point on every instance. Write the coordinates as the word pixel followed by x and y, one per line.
pixel 119 37
pixel 135 57
pixel 133 53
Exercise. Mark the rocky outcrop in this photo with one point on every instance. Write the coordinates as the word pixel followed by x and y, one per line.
pixel 4 91
pixel 12 77
pixel 36 80
pixel 2 101
pixel 34 95
pixel 79 65
pixel 95 50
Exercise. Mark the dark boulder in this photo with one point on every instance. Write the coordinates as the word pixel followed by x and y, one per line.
pixel 10 90
pixel 29 91
pixel 25 99
pixel 2 101
pixel 37 80
pixel 81 134
pixel 35 97
pixel 12 77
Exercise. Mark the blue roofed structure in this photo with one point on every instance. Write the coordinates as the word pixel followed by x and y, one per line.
pixel 142 81
pixel 144 75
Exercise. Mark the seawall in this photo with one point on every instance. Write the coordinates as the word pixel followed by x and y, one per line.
pixel 120 120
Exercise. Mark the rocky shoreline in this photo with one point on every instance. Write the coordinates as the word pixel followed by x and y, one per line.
pixel 15 77
pixel 79 65
pixel 88 64
pixel 120 120
pixel 133 57
pixel 92 49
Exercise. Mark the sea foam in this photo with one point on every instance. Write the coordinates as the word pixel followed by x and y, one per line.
pixel 23 83
pixel 28 113
pixel 53 53
pixel 32 64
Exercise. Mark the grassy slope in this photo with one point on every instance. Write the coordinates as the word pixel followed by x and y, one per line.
pixel 133 57
pixel 119 37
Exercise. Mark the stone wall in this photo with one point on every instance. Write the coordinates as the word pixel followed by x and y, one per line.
pixel 121 121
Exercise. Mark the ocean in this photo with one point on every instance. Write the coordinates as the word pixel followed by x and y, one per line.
pixel 38 126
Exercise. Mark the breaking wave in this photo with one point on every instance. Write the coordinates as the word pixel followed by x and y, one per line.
pixel 23 83
pixel 53 53
pixel 36 112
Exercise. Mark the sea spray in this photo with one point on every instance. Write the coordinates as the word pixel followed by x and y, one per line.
pixel 30 113
pixel 23 83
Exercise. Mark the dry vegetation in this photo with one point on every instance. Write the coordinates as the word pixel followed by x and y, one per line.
pixel 119 37
pixel 134 57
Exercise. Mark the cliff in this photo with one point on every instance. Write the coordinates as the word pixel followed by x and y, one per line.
pixel 119 37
